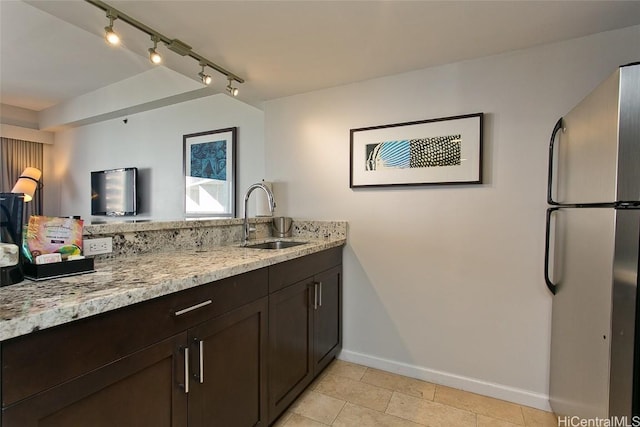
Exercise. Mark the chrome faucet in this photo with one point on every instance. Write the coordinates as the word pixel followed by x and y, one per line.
pixel 272 205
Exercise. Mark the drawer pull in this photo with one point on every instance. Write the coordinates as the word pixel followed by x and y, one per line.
pixel 193 307
pixel 320 294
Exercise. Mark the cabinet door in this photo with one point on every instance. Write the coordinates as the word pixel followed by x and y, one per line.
pixel 290 341
pixel 142 389
pixel 327 318
pixel 228 365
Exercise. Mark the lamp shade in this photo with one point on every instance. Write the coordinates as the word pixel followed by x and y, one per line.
pixel 27 183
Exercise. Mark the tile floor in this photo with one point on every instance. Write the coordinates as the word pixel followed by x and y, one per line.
pixel 350 395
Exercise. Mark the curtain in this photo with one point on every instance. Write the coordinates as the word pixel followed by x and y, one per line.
pixel 15 155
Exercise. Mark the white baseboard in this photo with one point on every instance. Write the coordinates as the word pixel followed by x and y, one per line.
pixel 498 391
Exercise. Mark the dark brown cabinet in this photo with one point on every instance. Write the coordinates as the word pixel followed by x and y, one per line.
pixel 228 385
pixel 327 318
pixel 305 325
pixel 235 352
pixel 194 358
pixel 290 345
pixel 141 389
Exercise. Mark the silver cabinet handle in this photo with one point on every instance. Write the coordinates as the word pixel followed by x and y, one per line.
pixel 320 293
pixel 315 295
pixel 186 370
pixel 201 348
pixel 193 307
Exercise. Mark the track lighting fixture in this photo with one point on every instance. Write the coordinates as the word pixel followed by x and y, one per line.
pixel 204 78
pixel 111 36
pixel 174 45
pixel 233 91
pixel 154 56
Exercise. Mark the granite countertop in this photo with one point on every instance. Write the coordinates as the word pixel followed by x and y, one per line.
pixel 30 306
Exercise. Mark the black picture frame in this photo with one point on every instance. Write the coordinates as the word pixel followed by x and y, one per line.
pixel 441 151
pixel 209 166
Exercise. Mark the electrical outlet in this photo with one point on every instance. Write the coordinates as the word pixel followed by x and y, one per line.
pixel 97 246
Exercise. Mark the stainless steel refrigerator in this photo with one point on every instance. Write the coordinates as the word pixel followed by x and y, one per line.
pixel 591 256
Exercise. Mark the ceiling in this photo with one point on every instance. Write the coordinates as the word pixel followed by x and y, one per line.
pixel 51 51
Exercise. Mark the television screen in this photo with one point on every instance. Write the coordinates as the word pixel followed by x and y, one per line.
pixel 113 192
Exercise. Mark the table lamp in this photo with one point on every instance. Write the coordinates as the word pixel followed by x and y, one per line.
pixel 27 183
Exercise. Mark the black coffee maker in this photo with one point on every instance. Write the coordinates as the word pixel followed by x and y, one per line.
pixel 11 208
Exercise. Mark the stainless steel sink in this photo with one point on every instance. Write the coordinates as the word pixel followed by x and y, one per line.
pixel 276 244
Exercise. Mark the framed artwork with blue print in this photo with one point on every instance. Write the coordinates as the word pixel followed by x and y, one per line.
pixel 210 173
pixel 445 150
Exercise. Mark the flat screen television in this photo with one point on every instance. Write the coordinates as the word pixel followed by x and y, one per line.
pixel 114 192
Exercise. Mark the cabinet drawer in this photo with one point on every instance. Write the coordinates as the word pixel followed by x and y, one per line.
pixel 38 361
pixel 295 270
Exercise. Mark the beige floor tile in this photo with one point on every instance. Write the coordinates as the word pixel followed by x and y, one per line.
pixel 482 405
pixel 537 418
pixel 318 407
pixel 358 416
pixel 317 380
pixel 429 413
pixel 484 421
pixel 280 422
pixel 344 388
pixel 296 420
pixel 406 385
pixel 346 369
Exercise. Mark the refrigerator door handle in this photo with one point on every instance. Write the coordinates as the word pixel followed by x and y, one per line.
pixel 552 286
pixel 556 128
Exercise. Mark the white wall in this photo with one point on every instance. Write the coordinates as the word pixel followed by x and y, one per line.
pixel 445 283
pixel 16 116
pixel 152 141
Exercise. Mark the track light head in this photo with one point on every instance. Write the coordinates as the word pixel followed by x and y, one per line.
pixel 204 78
pixel 233 91
pixel 111 36
pixel 154 56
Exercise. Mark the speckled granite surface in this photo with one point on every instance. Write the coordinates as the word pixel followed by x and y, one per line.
pixel 114 226
pixel 125 280
pixel 133 238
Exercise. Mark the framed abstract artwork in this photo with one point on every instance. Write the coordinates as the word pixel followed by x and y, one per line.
pixel 210 173
pixel 446 150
